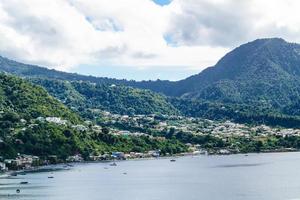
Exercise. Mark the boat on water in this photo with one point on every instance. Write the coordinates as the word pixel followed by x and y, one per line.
pixel 50 177
pixel 13 174
pixel 113 164
pixel 172 160
pixel 23 182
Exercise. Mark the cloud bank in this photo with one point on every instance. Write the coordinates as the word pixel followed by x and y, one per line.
pixel 189 34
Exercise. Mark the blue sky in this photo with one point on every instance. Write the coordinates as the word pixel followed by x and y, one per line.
pixel 131 73
pixel 162 2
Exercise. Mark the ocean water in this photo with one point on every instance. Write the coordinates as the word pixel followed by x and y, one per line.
pixel 272 176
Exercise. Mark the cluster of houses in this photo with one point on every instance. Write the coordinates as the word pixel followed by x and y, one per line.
pixel 126 156
pixel 195 126
pixel 88 125
pixel 20 162
pixel 228 128
pixel 56 120
pixel 27 162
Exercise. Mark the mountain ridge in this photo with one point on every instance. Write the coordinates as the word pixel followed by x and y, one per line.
pixel 264 73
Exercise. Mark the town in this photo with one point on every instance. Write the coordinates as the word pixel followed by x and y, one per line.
pixel 230 135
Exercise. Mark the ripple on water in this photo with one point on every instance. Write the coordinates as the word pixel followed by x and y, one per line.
pixel 240 165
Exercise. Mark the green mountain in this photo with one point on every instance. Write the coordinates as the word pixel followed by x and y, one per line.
pixel 265 71
pixel 258 78
pixel 27 70
pixel 34 71
pixel 80 92
pixel 257 82
pixel 29 101
pixel 21 103
pixel 84 96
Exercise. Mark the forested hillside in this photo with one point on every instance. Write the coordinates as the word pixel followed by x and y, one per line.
pixel 84 96
pixel 29 101
pixel 33 122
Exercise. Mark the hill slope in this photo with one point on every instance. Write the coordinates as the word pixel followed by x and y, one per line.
pixel 264 73
pixel 21 103
pixel 113 98
pixel 262 69
pixel 30 101
pixel 24 129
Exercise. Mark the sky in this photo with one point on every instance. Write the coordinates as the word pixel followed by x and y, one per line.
pixel 139 39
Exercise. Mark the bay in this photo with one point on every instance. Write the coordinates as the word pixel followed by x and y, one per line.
pixel 268 176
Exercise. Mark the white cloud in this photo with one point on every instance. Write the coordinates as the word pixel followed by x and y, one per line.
pixel 229 23
pixel 67 33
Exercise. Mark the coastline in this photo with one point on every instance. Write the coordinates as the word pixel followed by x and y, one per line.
pixel 69 165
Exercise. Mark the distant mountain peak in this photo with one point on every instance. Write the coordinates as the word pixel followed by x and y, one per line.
pixel 274 39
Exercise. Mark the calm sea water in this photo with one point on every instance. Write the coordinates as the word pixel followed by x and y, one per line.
pixel 234 177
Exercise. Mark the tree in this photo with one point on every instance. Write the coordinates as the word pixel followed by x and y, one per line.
pixel 105 130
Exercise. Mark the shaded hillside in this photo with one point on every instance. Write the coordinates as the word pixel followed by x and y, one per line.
pixel 262 71
pixel 263 74
pixel 239 113
pixel 21 103
pixel 116 99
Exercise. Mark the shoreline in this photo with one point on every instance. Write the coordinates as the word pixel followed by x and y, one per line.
pixel 70 165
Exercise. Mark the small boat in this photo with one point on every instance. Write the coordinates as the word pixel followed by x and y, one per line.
pixel 14 174
pixel 125 173
pixel 113 164
pixel 18 190
pixel 172 160
pixel 24 182
pixel 50 177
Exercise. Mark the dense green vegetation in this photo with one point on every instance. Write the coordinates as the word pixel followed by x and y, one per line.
pixel 84 96
pixel 29 101
pixel 241 144
pixel 240 113
pixel 45 139
pixel 260 79
pixel 258 82
pixel 21 130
